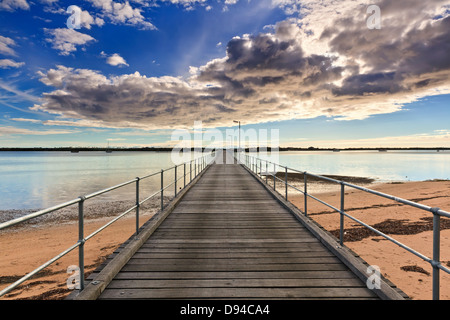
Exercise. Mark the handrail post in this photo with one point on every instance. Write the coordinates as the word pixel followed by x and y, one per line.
pixel 162 189
pixel 267 171
pixel 195 167
pixel 137 206
pixel 436 252
pixel 274 180
pixel 175 180
pixel 286 181
pixel 190 171
pixel 260 167
pixel 341 224
pixel 305 174
pixel 81 240
pixel 184 174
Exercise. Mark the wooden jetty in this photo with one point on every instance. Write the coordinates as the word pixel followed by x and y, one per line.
pixel 228 236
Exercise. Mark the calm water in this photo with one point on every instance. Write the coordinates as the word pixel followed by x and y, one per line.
pixel 383 166
pixel 32 180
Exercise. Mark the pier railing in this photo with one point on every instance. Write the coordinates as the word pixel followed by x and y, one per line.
pixel 191 170
pixel 262 167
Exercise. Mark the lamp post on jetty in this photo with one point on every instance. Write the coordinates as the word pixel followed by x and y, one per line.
pixel 239 148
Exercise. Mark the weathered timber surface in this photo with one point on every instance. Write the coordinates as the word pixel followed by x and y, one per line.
pixel 229 238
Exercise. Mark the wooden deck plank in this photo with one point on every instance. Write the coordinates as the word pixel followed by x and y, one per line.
pixel 229 267
pixel 228 255
pixel 227 244
pixel 254 275
pixel 236 283
pixel 234 261
pixel 236 292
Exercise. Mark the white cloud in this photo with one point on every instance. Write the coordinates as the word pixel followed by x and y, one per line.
pixel 66 40
pixel 193 70
pixel 26 120
pixel 49 1
pixel 76 123
pixel 122 13
pixel 8 63
pixel 116 60
pixel 5 46
pixel 87 20
pixel 7 130
pixel 12 5
pixel 185 2
pixel 13 93
pixel 116 139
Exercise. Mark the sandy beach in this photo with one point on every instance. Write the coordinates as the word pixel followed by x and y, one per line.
pixel 27 247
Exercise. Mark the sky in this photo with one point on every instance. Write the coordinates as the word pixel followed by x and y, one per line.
pixel 299 73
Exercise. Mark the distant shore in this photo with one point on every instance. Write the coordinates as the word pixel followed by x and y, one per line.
pixel 247 149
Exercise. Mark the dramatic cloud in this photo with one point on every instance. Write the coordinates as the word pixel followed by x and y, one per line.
pixel 326 62
pixel 66 40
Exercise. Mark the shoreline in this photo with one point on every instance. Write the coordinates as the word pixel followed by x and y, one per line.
pixel 93 210
pixel 27 247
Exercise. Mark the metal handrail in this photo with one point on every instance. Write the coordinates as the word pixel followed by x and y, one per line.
pixel 251 163
pixel 200 164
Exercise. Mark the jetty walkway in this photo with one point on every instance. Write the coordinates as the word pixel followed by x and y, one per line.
pixel 228 236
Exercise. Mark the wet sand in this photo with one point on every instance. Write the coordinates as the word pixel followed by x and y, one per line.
pixel 25 248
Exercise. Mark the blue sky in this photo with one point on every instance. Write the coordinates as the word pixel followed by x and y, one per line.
pixel 137 70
